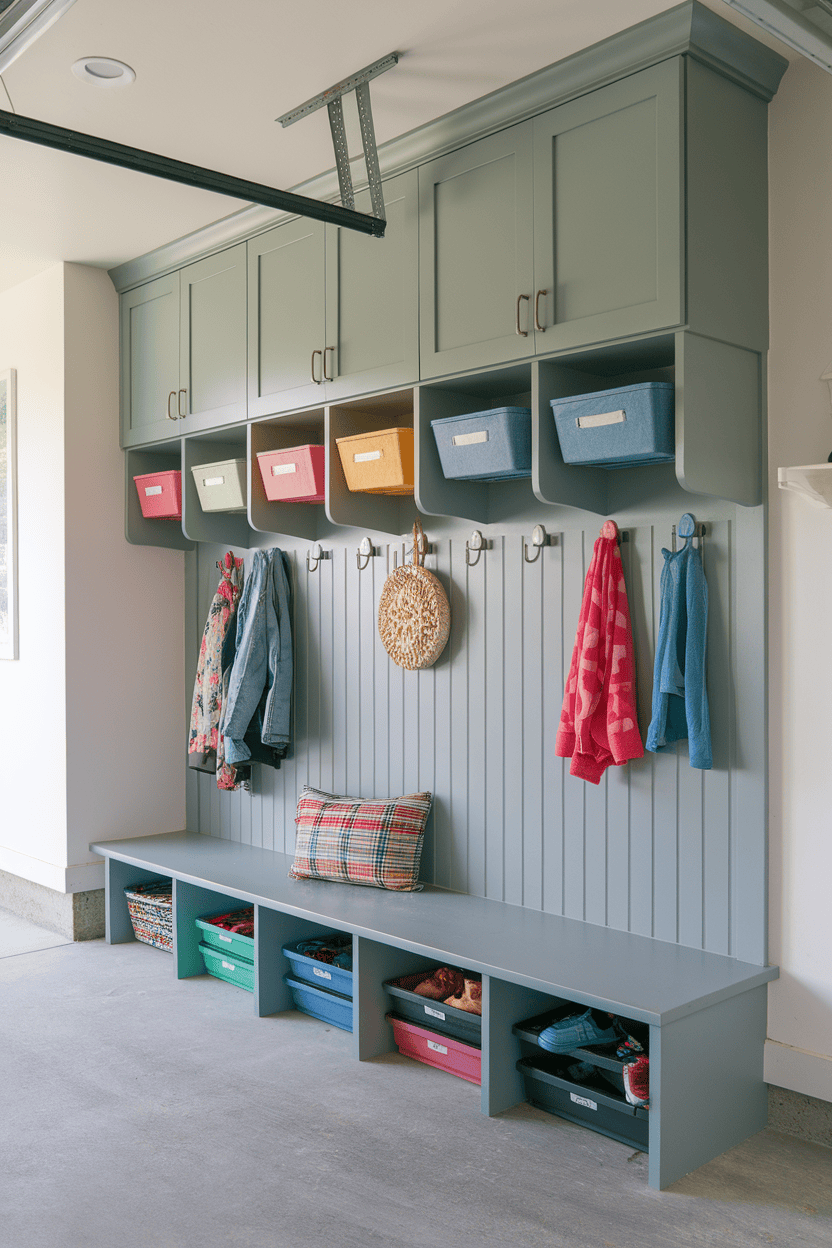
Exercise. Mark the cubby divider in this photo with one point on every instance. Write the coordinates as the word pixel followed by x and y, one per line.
pixel 141 530
pixel 223 528
pixel 381 513
pixel 304 520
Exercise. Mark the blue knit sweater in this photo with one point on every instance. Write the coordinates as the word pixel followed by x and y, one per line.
pixel 680 699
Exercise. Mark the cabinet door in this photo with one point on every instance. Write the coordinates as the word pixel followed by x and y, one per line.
pixel 475 258
pixel 608 208
pixel 212 341
pixel 372 298
pixel 150 361
pixel 286 321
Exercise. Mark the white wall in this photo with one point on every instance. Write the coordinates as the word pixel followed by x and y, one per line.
pixel 93 734
pixel 799 1051
pixel 33 722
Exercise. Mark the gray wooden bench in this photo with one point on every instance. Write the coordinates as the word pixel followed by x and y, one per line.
pixel 706 1012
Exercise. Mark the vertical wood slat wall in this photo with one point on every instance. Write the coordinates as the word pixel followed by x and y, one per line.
pixel 658 848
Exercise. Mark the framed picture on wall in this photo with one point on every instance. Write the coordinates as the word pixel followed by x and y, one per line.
pixel 8 516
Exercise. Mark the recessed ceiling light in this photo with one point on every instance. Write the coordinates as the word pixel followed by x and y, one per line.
pixel 103 71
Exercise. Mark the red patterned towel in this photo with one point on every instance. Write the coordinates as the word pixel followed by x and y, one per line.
pixel 598 723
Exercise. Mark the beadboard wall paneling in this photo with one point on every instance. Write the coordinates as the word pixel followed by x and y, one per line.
pixel 653 849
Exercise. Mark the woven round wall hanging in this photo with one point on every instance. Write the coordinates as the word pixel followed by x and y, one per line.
pixel 414 616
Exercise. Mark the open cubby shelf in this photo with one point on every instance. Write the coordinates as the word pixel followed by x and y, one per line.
pixel 718 446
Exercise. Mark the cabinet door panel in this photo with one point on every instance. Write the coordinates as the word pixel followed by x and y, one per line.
pixel 608 211
pixel 212 338
pixel 372 297
pixel 149 361
pixel 286 317
pixel 476 245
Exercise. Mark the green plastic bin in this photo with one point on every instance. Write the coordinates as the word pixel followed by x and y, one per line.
pixel 234 970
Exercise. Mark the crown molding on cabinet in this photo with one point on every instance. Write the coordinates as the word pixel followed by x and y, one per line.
pixel 689 29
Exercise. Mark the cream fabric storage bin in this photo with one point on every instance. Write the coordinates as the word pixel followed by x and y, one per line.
pixel 222 486
pixel 380 462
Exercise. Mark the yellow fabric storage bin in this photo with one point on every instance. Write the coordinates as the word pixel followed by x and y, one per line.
pixel 380 462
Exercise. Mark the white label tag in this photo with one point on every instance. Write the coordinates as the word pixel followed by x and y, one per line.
pixel 213 480
pixel 366 455
pixel 228 966
pixel 228 939
pixel 468 439
pixel 152 489
pixel 280 470
pixel 603 418
pixel 434 1013
pixel 321 974
pixel 437 1048
pixel 583 1100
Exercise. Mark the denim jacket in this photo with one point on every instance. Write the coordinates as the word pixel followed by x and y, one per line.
pixel 264 659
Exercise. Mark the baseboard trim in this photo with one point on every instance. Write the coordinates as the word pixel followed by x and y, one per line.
pixel 798 1070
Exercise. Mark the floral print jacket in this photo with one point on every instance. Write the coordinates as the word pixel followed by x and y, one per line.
pixel 206 709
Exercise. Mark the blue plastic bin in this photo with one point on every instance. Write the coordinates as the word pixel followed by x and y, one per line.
pixel 329 1007
pixel 319 974
pixel 617 428
pixel 495 445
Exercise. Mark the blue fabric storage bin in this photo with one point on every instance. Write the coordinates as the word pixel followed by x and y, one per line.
pixel 329 1007
pixel 495 445
pixel 318 974
pixel 617 428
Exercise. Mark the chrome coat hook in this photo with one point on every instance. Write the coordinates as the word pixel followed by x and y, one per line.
pixel 540 538
pixel 477 543
pixel 366 551
pixel 317 554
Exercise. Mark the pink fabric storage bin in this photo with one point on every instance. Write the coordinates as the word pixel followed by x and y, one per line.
pixel 160 494
pixel 293 475
pixel 435 1049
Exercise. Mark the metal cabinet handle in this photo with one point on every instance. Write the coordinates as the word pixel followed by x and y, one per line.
pixel 172 395
pixel 182 414
pixel 541 329
pixel 326 374
pixel 317 380
pixel 524 333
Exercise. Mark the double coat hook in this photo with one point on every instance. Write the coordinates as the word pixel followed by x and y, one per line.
pixel 317 554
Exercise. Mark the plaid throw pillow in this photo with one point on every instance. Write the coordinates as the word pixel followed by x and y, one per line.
pixel 376 842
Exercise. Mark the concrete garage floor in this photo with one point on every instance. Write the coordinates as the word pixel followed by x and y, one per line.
pixel 141 1112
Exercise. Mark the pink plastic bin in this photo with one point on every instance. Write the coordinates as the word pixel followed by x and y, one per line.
pixel 160 494
pixel 293 475
pixel 437 1050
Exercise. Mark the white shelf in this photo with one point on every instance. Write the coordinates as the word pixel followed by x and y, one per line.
pixel 813 481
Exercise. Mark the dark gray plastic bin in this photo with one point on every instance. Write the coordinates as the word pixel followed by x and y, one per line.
pixel 494 445
pixel 447 1019
pixel 617 428
pixel 591 1104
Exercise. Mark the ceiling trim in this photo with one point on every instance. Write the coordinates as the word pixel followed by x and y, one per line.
pixel 688 29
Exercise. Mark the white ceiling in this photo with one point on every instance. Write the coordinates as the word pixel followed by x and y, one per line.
pixel 211 77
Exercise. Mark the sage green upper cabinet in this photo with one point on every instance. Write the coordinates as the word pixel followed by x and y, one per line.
pixel 183 350
pixel 150 361
pixel 608 211
pixel 286 318
pixel 212 341
pixel 372 298
pixel 476 254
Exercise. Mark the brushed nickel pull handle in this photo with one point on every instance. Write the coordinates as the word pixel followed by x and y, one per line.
pixel 541 329
pixel 326 374
pixel 524 333
pixel 182 414
pixel 318 381
pixel 172 395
